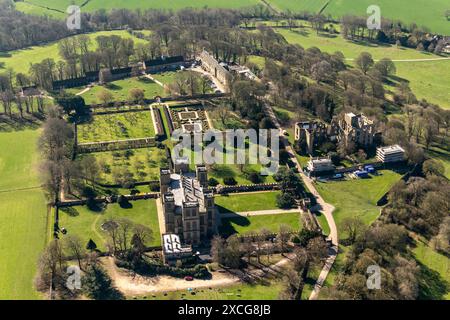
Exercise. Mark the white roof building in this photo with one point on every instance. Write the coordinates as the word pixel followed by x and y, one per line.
pixel 393 153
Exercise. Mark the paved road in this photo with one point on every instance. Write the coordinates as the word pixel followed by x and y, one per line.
pixel 324 207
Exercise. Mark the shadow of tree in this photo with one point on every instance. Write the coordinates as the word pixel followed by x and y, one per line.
pixel 227 229
pixel 431 285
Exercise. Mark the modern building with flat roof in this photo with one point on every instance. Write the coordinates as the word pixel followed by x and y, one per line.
pixel 319 166
pixel 393 153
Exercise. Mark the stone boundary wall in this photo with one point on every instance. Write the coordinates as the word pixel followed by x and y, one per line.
pixel 116 145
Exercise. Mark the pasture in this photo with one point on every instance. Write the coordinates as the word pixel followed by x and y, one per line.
pixel 117 126
pixel 356 198
pixel 23 214
pixel 428 13
pixel 38 6
pixel 87 224
pixel 426 78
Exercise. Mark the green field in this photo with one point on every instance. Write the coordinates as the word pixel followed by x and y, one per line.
pixel 435 272
pixel 426 78
pixel 357 198
pixel 23 215
pixel 130 4
pixel 117 126
pixel 143 163
pixel 235 292
pixel 442 156
pixel 271 222
pixel 86 224
pixel 20 60
pixel 247 202
pixel 429 13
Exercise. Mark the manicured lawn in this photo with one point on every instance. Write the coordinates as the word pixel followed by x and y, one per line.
pixel 120 90
pixel 23 215
pixel 357 198
pixel 20 60
pixel 235 292
pixel 426 78
pixel 117 126
pixel 271 222
pixel 247 202
pixel 143 163
pixel 220 171
pixel 435 272
pixel 87 224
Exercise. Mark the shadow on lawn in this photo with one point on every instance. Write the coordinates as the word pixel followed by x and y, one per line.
pixel 227 229
pixel 431 285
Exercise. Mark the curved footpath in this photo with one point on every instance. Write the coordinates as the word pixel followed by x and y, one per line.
pixel 325 208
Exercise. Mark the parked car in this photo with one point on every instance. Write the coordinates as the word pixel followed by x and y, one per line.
pixel 188 278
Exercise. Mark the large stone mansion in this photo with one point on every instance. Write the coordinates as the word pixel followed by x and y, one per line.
pixel 189 209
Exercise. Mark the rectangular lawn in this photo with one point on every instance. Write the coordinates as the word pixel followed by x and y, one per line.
pixel 86 224
pixel 254 224
pixel 247 202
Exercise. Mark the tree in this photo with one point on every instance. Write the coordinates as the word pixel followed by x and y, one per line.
pixel 283 236
pixel 218 249
pixel 433 167
pixel 386 67
pixel 75 248
pixel 73 105
pixel 354 227
pixel 97 284
pixel 364 62
pixel 105 96
pixel 285 200
pixel 137 94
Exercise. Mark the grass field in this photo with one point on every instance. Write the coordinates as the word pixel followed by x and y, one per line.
pixel 357 198
pixel 435 272
pixel 429 13
pixel 426 78
pixel 235 292
pixel 117 126
pixel 120 90
pixel 86 224
pixel 20 60
pixel 271 222
pixel 131 4
pixel 144 163
pixel 442 156
pixel 22 215
pixel 247 202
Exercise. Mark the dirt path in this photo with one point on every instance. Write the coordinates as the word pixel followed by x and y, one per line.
pixel 139 285
pixel 154 80
pixel 83 91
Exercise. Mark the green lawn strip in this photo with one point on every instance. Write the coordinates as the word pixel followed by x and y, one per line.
pixel 117 126
pixel 442 156
pixel 23 217
pixel 435 272
pixel 234 292
pixel 253 224
pixel 247 202
pixel 86 224
pixel 357 198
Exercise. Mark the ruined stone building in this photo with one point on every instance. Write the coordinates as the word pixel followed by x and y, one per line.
pixel 310 134
pixel 189 209
pixel 211 65
pixel 355 128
